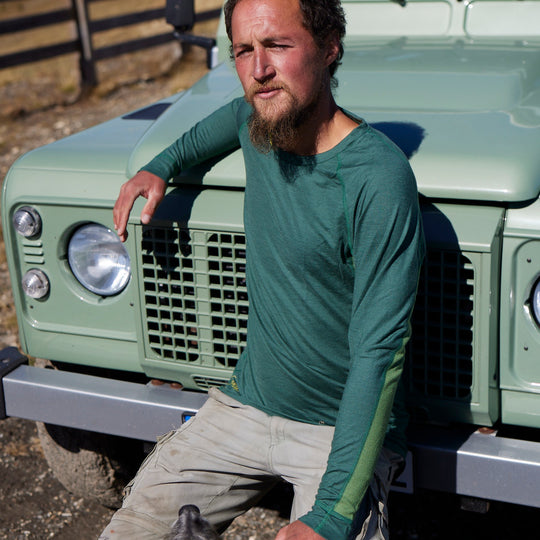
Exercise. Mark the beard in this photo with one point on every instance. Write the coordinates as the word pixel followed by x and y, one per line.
pixel 270 128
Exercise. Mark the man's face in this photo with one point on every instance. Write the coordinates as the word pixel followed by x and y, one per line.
pixel 281 69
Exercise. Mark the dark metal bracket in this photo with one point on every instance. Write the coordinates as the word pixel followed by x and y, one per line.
pixel 209 44
pixel 10 359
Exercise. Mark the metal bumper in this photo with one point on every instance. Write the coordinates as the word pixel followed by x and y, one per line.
pixel 109 406
pixel 459 460
pixel 473 463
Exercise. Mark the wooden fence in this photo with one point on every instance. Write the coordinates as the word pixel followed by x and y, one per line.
pixel 86 28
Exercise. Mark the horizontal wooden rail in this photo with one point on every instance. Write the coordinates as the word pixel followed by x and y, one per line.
pixel 31 22
pixel 86 28
pixel 40 53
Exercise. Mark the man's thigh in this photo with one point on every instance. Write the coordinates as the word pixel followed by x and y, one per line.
pixel 216 461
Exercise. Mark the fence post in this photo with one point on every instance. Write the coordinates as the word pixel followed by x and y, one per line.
pixel 86 61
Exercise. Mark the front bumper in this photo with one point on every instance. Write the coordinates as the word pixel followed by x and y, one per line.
pixel 92 403
pixel 459 460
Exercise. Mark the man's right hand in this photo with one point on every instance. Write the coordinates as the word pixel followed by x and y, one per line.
pixel 143 184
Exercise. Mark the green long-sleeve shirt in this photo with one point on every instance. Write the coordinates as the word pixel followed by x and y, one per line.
pixel 334 248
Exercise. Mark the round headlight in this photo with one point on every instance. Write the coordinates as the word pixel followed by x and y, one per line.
pixel 27 221
pixel 35 284
pixel 535 301
pixel 99 260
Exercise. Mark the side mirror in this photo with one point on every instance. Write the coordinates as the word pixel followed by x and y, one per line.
pixel 180 14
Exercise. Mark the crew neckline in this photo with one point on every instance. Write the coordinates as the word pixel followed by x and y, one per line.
pixel 299 159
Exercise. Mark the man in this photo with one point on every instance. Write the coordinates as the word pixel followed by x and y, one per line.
pixel 334 247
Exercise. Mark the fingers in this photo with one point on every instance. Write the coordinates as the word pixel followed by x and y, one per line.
pixel 150 207
pixel 297 531
pixel 121 211
pixel 143 184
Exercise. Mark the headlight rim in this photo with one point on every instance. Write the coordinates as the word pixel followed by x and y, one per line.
pixel 534 301
pixel 81 277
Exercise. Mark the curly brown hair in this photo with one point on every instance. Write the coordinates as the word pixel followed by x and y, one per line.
pixel 322 18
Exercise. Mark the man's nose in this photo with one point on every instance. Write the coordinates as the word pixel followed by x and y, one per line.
pixel 263 69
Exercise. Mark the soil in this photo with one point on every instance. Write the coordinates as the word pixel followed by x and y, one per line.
pixel 33 504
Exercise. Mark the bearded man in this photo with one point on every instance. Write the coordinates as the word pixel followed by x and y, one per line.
pixel 334 248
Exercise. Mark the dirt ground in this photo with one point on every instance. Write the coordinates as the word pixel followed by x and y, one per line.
pixel 33 504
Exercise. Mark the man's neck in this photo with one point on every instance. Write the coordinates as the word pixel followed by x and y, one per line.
pixel 326 127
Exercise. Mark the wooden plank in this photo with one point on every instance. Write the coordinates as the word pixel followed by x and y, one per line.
pixel 31 22
pixel 41 53
pixel 131 46
pixel 125 20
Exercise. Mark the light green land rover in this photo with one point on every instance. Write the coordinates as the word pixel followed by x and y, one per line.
pixel 456 84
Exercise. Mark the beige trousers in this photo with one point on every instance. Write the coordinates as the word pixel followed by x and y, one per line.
pixel 224 460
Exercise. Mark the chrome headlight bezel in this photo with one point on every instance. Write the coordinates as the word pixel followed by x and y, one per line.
pixel 99 260
pixel 535 301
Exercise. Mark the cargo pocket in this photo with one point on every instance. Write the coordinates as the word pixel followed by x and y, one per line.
pixel 160 440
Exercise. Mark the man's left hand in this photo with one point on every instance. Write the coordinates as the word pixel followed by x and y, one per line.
pixel 298 531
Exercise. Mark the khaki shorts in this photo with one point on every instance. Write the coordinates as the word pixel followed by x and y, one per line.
pixel 224 460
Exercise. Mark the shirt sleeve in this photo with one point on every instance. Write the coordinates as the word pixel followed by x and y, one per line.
pixel 387 248
pixel 211 137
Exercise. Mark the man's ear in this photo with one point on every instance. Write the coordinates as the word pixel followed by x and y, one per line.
pixel 332 49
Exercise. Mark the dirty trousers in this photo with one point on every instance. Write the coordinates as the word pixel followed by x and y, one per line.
pixel 224 460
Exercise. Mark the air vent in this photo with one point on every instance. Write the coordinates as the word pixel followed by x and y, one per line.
pixel 205 383
pixel 33 251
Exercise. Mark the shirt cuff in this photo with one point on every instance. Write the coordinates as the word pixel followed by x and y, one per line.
pixel 329 525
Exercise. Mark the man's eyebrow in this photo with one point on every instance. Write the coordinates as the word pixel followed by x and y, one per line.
pixel 266 41
pixel 277 39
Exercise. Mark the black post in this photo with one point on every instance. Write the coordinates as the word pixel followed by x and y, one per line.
pixel 86 60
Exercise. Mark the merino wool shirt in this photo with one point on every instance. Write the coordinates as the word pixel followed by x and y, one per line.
pixel 334 248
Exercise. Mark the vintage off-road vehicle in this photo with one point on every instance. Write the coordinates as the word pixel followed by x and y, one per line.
pixel 456 84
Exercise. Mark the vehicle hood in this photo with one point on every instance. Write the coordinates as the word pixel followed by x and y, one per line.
pixel 467 114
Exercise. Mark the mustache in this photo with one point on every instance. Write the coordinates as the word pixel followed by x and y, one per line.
pixel 257 88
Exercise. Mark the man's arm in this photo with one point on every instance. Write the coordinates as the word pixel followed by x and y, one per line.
pixel 387 248
pixel 215 135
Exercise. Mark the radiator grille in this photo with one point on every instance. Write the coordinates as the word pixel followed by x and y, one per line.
pixel 441 348
pixel 196 307
pixel 195 295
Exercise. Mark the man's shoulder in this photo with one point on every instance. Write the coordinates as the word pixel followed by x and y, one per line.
pixel 374 164
pixel 371 149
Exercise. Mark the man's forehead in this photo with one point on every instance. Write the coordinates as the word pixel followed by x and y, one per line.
pixel 275 19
